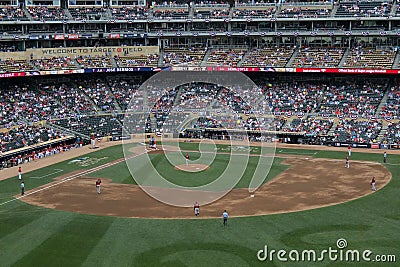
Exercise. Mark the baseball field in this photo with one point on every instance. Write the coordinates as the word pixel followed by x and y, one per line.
pixel 309 211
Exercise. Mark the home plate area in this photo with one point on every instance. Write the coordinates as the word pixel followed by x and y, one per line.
pixel 192 167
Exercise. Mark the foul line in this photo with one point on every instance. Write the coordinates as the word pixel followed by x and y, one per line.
pixel 297 153
pixel 69 178
pixel 56 171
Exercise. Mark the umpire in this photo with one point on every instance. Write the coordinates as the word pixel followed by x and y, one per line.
pixel 225 217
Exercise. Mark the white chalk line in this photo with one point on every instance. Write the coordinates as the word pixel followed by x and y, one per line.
pixel 298 153
pixel 56 171
pixel 72 177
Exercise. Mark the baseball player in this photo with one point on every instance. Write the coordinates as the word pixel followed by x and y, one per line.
pixel 98 183
pixel 187 158
pixel 19 173
pixel 347 162
pixel 196 209
pixel 373 184
pixel 93 141
pixel 22 188
pixel 349 150
pixel 384 157
pixel 225 217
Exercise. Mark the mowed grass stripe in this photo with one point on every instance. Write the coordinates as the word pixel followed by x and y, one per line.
pixel 70 244
pixel 21 242
pixel 17 214
pixel 123 239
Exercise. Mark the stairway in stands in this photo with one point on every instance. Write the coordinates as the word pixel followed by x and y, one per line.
pixel 291 59
pixel 160 63
pixel 382 103
pixel 239 64
pixel 68 131
pixel 331 132
pixel 204 61
pixel 396 61
pixel 383 131
pixel 343 60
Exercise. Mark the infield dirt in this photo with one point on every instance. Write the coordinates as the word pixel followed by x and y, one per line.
pixel 306 184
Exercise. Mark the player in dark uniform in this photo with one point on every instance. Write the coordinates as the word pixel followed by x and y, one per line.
pixel 98 184
pixel 196 209
pixel 373 184
pixel 187 158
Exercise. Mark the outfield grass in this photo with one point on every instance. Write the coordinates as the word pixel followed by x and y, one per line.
pixel 35 236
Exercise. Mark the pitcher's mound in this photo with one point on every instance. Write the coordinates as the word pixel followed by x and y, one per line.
pixel 192 167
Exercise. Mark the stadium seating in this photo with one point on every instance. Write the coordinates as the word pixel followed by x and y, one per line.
pixel 183 56
pixel 318 57
pixel 129 13
pixel 150 60
pixel 47 13
pixel 268 57
pixel 225 57
pixel 362 131
pixel 11 13
pixel 370 57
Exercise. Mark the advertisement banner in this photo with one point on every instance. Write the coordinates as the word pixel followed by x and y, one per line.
pixel 59 37
pixel 93 51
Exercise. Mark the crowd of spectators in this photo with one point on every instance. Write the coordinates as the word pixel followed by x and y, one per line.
pixel 171 13
pixel 20 104
pixel 12 13
pixel 239 122
pixel 14 65
pixel 391 108
pixel 75 104
pixel 254 13
pixel 100 126
pixel 5 47
pixel 95 61
pixel 129 13
pixel 364 8
pixel 88 13
pixel 351 98
pixel 97 91
pixel 311 126
pixel 370 57
pixel 324 57
pixel 184 56
pixel 35 153
pixel 268 57
pixel 304 12
pixel 150 60
pixel 71 99
pixel 392 135
pixel 46 13
pixel 126 93
pixel 293 96
pixel 26 135
pixel 225 57
pixel 212 13
pixel 54 63
pixel 357 131
pixel 197 95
